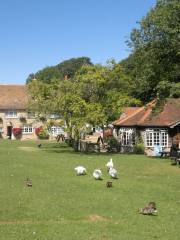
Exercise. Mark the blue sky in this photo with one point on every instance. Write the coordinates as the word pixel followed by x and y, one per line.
pixel 39 33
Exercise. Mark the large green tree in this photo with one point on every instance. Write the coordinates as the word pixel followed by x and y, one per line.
pixel 96 96
pixel 106 85
pixel 154 64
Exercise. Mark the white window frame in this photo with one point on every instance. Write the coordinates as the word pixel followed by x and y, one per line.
pixel 164 140
pixel 27 129
pixel 156 137
pixel 11 114
pixel 126 136
pixel 56 130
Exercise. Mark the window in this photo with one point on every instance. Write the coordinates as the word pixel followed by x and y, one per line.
pixel 27 129
pixel 164 138
pixel 149 139
pixel 56 130
pixel 127 136
pixel 11 114
pixel 156 137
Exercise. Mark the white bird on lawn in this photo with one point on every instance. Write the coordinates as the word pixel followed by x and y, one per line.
pixel 97 174
pixel 80 170
pixel 110 164
pixel 113 172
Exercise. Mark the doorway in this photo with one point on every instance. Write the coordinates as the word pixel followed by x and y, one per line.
pixel 9 132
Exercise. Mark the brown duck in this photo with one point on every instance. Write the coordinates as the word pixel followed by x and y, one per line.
pixel 28 182
pixel 150 209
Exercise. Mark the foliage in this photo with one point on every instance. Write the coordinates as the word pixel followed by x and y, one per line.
pixel 158 108
pixel 139 148
pixel 70 67
pixel 112 143
pixel 163 89
pixel 55 122
pixel 64 69
pixel 154 63
pixel 42 133
pixel 45 75
pixel 95 96
pixel 108 86
pixel 175 90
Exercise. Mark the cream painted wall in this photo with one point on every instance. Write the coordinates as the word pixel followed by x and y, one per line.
pixel 16 123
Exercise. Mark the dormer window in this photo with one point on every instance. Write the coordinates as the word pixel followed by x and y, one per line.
pixel 11 114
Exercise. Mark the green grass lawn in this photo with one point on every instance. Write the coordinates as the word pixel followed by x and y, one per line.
pixel 63 206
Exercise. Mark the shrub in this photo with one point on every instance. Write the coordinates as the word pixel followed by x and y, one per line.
pixel 17 132
pixel 38 130
pixel 42 133
pixel 112 143
pixel 139 148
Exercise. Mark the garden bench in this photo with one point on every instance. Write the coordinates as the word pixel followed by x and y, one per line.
pixel 165 153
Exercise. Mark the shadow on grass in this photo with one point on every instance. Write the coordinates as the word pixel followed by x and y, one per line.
pixel 57 146
pixel 66 149
pixel 69 150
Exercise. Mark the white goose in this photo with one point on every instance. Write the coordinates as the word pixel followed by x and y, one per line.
pixel 80 170
pixel 97 174
pixel 113 172
pixel 110 164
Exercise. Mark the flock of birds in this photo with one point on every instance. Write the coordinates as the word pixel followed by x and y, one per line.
pixel 97 174
pixel 149 209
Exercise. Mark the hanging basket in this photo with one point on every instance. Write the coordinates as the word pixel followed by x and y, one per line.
pixel 22 119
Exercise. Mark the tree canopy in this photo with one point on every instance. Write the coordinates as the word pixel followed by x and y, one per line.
pixel 64 69
pixel 154 64
pixel 95 95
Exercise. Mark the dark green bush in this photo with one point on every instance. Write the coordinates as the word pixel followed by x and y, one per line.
pixel 139 148
pixel 112 143
pixel 43 134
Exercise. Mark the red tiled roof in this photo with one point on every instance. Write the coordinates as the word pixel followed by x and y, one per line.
pixel 130 116
pixel 13 97
pixel 169 116
pixel 142 116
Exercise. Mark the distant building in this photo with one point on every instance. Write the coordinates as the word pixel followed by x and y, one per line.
pixel 14 115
